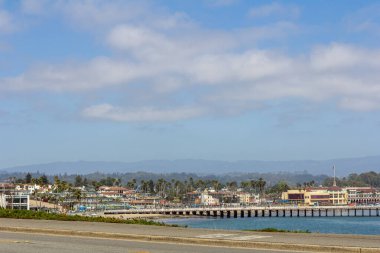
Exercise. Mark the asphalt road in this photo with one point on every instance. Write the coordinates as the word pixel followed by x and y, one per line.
pixel 11 242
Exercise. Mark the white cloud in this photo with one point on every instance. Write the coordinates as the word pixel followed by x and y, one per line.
pixel 137 40
pixel 100 72
pixel 213 76
pixel 340 56
pixel 275 9
pixel 142 114
pixel 177 70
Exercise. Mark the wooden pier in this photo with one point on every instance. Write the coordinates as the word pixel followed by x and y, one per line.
pixel 274 211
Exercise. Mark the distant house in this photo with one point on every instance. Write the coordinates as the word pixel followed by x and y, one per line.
pixel 247 198
pixel 208 199
pixel 114 191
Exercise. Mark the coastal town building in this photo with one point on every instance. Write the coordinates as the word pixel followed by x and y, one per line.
pixel 332 196
pixel 114 191
pixel 294 196
pixel 337 196
pixel 11 198
pixel 208 199
pixel 363 195
pixel 317 197
pixel 3 202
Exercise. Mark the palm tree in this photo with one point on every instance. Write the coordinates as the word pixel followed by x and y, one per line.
pixel 178 186
pixel 232 185
pixel 245 185
pixel 132 184
pixel 216 185
pixel 191 184
pixel 77 194
pixel 144 186
pixel 200 184
pixel 261 185
pixel 161 186
pixel 253 185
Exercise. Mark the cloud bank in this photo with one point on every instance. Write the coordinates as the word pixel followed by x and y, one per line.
pixel 183 71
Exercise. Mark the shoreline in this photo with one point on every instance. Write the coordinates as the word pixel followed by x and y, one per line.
pixel 225 238
pixel 134 216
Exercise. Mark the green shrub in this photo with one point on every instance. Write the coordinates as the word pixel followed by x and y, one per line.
pixel 26 214
pixel 278 230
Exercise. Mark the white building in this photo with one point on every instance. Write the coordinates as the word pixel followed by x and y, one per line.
pixel 246 198
pixel 14 201
pixel 11 198
pixel 3 202
pixel 363 195
pixel 208 200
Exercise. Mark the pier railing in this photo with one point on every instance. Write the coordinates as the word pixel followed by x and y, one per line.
pixel 257 211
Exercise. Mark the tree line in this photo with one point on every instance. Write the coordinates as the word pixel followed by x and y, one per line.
pixel 371 179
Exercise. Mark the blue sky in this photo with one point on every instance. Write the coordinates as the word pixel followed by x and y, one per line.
pixel 209 79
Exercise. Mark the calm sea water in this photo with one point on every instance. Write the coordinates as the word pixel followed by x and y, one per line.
pixel 334 225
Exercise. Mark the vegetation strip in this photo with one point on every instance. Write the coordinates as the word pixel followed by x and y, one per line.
pixel 26 214
pixel 277 230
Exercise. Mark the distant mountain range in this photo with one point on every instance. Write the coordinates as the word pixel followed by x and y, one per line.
pixel 202 167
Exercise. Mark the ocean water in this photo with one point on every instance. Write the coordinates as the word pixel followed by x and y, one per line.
pixel 334 225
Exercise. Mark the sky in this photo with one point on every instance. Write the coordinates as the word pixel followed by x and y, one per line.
pixel 208 79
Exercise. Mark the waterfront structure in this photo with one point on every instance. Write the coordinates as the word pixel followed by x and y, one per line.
pixel 145 201
pixel 259 211
pixel 363 195
pixel 319 197
pixel 332 196
pixel 338 196
pixel 294 196
pixel 213 198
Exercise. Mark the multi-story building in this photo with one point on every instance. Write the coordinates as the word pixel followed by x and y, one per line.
pixel 338 196
pixel 362 195
pixel 17 201
pixel 294 196
pixel 3 202
pixel 11 198
pixel 208 197
pixel 208 200
pixel 246 198
pixel 316 196
pixel 332 196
